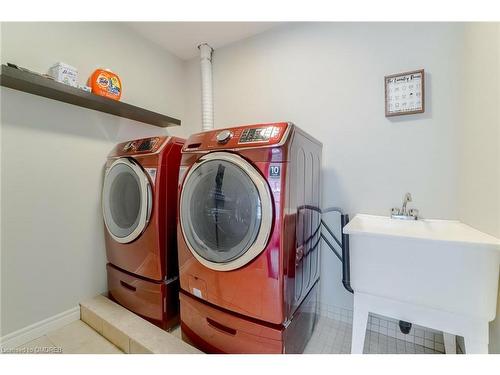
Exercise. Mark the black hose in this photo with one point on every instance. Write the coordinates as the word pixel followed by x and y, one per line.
pixel 331 246
pixel 346 258
pixel 344 245
pixel 331 233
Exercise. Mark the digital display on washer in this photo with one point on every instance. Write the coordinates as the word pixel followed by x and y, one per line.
pixel 147 144
pixel 258 134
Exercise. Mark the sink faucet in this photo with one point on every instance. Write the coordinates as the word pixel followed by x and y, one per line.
pixel 406 199
pixel 402 213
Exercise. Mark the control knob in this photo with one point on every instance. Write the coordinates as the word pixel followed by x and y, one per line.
pixel 224 136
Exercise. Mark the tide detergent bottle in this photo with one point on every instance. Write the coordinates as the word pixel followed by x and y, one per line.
pixel 105 83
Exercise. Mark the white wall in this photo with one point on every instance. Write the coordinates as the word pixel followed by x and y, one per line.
pixel 328 79
pixel 52 157
pixel 480 133
pixel 480 138
pixel 1 226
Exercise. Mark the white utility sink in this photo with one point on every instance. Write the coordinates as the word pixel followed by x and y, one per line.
pixel 440 274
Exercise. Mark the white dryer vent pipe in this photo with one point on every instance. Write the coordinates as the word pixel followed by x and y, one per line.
pixel 207 97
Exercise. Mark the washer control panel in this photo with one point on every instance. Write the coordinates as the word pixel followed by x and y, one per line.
pixel 259 134
pixel 141 145
pixel 256 135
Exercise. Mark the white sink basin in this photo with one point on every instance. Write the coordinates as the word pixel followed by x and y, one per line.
pixel 436 230
pixel 440 264
pixel 439 274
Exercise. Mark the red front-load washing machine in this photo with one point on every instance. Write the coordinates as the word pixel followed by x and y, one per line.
pixel 139 202
pixel 248 238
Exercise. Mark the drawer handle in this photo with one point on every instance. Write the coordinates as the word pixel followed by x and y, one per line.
pixel 128 286
pixel 221 327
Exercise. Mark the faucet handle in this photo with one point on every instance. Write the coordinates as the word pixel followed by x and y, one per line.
pixel 413 212
pixel 407 197
pixel 395 211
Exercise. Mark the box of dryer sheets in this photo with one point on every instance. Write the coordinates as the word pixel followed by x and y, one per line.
pixel 64 73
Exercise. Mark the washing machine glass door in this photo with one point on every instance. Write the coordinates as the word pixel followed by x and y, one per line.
pixel 126 200
pixel 225 211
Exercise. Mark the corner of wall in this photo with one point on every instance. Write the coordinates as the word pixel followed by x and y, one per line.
pixel 480 138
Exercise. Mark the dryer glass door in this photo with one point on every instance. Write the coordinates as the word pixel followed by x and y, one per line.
pixel 126 200
pixel 226 211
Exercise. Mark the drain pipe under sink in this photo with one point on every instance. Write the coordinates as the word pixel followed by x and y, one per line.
pixel 207 99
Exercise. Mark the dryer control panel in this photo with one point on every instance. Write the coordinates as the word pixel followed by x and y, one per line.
pixel 238 137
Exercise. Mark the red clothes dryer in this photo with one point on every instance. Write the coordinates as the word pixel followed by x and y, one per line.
pixel 139 202
pixel 248 238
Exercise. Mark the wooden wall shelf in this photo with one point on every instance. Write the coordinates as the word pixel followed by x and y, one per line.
pixel 38 85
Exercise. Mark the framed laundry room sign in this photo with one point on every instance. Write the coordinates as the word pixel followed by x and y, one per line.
pixel 405 93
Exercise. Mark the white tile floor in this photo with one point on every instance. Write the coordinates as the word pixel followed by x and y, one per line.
pixel 329 337
pixel 74 338
pixel 334 337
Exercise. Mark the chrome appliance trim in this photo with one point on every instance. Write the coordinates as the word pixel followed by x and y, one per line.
pixel 146 199
pixel 267 211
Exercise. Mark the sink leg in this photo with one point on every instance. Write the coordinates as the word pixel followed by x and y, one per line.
pixel 450 343
pixel 475 346
pixel 360 320
pixel 477 339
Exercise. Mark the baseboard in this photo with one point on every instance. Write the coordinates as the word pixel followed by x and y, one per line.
pixel 34 331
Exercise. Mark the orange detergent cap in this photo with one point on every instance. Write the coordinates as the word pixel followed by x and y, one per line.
pixel 105 83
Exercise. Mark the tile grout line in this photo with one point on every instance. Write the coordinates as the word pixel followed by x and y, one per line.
pixel 330 310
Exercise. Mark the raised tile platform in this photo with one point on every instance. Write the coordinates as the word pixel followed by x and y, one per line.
pixel 129 332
